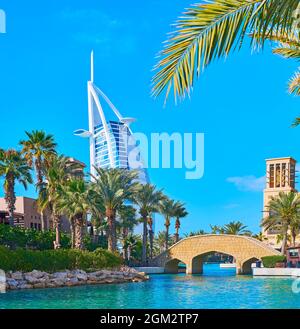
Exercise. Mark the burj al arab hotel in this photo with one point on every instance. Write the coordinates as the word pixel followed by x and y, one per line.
pixel 112 144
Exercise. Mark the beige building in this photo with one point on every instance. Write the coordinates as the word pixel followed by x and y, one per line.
pixel 280 177
pixel 27 215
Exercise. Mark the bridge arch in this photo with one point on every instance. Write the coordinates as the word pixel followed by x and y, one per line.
pixel 191 251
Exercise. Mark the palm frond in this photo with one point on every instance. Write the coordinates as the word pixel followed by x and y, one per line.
pixel 294 87
pixel 212 30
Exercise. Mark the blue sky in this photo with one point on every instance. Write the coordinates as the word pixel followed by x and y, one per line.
pixel 241 104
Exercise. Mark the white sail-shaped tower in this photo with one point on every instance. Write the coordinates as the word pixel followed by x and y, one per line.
pixel 111 138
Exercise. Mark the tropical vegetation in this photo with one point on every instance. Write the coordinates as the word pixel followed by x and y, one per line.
pixel 283 216
pixel 103 210
pixel 214 29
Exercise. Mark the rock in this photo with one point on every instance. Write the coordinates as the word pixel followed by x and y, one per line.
pixel 60 275
pixel 39 285
pixel 12 283
pixel 16 275
pixel 92 277
pixel 25 286
pixel 82 276
pixel 30 279
pixel 38 274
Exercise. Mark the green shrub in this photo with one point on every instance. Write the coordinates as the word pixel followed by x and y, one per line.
pixel 270 261
pixel 17 237
pixel 56 260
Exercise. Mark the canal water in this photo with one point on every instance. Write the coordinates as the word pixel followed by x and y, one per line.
pixel 216 288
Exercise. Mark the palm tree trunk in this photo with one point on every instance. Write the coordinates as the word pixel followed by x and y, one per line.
pixel 176 235
pixel 144 250
pixel 72 233
pixel 112 241
pixel 167 238
pixel 284 242
pixel 56 221
pixel 151 237
pixel 10 198
pixel 39 177
pixel 79 232
pixel 124 237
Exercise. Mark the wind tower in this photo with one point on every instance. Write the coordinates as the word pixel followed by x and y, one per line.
pixel 280 177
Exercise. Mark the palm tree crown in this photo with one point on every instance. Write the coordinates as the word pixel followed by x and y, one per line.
pixel 114 186
pixel 13 167
pixel 284 213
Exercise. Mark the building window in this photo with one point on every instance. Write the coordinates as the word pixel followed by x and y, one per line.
pixel 277 175
pixel 283 174
pixel 271 179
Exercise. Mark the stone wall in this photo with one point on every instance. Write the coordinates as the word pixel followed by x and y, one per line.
pixel 38 279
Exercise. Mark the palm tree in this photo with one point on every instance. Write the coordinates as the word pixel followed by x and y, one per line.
pixel 284 211
pixel 194 233
pixel 37 149
pixel 160 240
pixel 215 229
pixel 13 167
pixel 280 238
pixel 212 30
pixel 236 228
pixel 167 209
pixel 260 236
pixel 59 170
pixel 74 202
pixel 127 216
pixel 114 186
pixel 147 198
pixel 180 212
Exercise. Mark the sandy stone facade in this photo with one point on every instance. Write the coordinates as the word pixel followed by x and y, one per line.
pixel 280 177
pixel 191 251
pixel 28 215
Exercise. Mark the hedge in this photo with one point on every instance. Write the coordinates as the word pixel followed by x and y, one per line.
pixel 56 260
pixel 270 261
pixel 18 237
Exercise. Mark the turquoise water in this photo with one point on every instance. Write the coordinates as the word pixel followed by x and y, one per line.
pixel 216 288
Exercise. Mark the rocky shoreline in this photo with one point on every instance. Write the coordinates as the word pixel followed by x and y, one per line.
pixel 39 279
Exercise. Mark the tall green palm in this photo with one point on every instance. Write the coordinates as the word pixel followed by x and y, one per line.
pixel 160 240
pixel 179 213
pixel 212 30
pixel 37 149
pixel 260 236
pixel 13 168
pixel 215 229
pixel 58 171
pixel 167 209
pixel 126 224
pixel 147 198
pixel 236 228
pixel 284 211
pixel 114 186
pixel 74 203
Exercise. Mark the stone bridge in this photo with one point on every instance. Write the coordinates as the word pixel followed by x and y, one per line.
pixel 191 251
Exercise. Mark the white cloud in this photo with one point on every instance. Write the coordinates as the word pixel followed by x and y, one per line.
pixel 248 183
